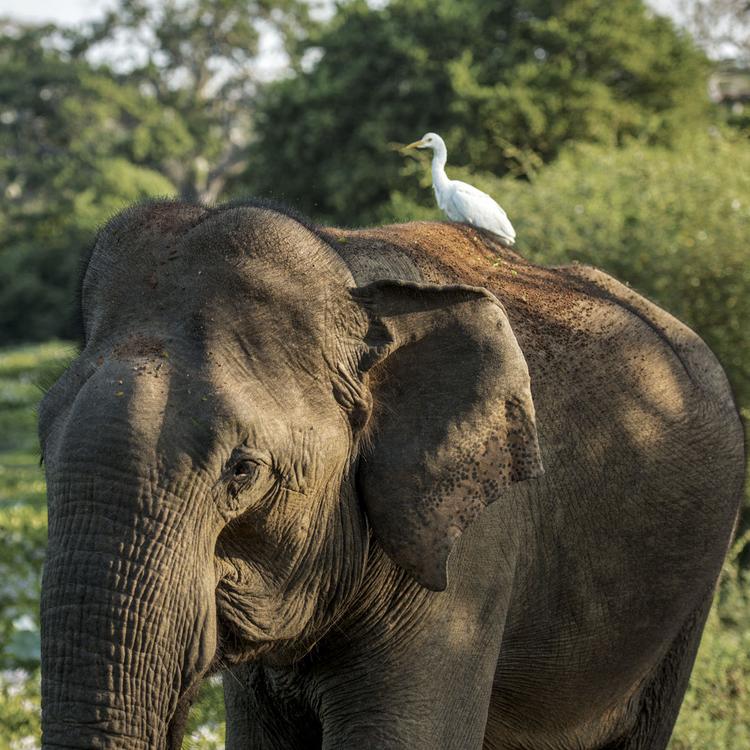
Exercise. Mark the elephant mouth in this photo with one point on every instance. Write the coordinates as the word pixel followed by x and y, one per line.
pixel 238 643
pixel 240 640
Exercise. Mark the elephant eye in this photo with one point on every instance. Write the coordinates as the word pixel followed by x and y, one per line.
pixel 245 480
pixel 242 471
pixel 244 468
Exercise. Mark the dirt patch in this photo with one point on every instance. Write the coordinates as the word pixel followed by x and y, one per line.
pixel 137 345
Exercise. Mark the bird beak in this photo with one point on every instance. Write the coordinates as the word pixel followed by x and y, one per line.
pixel 416 144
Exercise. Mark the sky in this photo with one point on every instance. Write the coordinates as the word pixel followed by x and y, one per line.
pixel 65 11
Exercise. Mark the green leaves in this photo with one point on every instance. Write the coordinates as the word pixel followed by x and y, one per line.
pixel 80 141
pixel 508 84
pixel 23 538
pixel 716 709
pixel 76 145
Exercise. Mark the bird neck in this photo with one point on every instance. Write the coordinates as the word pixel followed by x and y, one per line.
pixel 439 158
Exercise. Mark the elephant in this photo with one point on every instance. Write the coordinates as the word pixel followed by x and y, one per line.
pixel 402 487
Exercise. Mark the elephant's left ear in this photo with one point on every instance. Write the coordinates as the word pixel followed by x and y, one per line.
pixel 453 420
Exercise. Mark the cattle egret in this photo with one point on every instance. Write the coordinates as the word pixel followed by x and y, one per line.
pixel 462 202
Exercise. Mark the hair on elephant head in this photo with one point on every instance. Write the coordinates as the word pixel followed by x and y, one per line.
pixel 239 417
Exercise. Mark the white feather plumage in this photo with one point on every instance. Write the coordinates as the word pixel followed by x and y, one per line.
pixel 461 201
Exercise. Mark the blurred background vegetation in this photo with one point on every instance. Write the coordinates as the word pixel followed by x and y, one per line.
pixel 612 135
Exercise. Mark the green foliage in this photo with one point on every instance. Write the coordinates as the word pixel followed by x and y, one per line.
pixel 206 729
pixel 197 65
pixel 68 161
pixel 507 84
pixel 40 253
pixel 574 71
pixel 62 117
pixel 79 141
pixel 23 535
pixel 716 711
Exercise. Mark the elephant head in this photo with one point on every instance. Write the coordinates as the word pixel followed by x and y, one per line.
pixel 241 426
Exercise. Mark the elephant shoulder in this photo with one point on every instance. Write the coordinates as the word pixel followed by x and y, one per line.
pixel 698 361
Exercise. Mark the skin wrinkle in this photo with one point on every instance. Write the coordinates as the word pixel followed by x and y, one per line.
pixel 301 567
pixel 131 690
pixel 272 351
pixel 147 564
pixel 137 604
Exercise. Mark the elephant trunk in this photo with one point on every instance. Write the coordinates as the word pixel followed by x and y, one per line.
pixel 128 625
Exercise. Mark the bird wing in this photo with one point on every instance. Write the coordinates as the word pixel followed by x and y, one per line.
pixel 467 203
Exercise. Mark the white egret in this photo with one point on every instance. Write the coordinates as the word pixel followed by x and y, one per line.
pixel 460 201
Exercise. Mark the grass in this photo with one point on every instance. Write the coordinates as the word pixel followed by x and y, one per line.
pixel 23 536
pixel 716 709
pixel 715 714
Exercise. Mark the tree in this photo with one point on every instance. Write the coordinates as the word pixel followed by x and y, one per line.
pixel 198 61
pixel 66 164
pixel 506 82
pixel 81 139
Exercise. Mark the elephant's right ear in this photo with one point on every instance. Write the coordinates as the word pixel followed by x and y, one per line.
pixel 453 421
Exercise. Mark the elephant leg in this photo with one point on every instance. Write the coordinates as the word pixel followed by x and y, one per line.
pixel 662 697
pixel 419 675
pixel 262 715
pixel 427 696
pixel 365 704
pixel 415 719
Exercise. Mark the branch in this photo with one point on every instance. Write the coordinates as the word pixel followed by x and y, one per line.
pixel 234 163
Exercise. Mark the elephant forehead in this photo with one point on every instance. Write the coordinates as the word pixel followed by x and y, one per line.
pixel 163 229
pixel 168 411
pixel 234 275
pixel 161 234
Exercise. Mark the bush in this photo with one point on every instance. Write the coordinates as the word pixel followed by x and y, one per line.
pixel 508 83
pixel 716 709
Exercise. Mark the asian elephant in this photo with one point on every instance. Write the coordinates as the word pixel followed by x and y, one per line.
pixel 407 489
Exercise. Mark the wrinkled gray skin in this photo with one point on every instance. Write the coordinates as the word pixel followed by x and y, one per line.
pixel 275 435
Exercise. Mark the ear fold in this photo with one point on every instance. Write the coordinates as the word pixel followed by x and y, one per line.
pixel 453 417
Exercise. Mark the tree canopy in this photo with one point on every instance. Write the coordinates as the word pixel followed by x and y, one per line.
pixel 75 146
pixel 199 62
pixel 507 83
pixel 80 140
